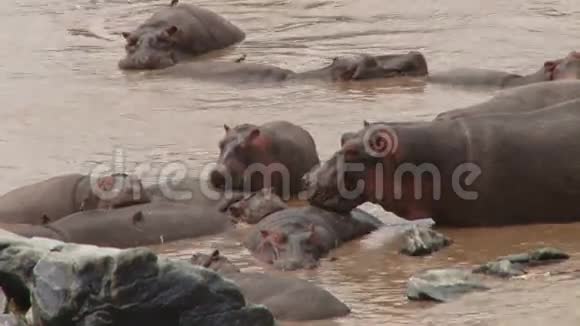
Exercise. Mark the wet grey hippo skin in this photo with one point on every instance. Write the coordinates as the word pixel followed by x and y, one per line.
pixel 63 195
pixel 176 33
pixel 341 69
pixel 520 99
pixel 566 68
pixel 529 171
pixel 297 238
pixel 132 226
pixel 253 207
pixel 251 156
pixel 288 298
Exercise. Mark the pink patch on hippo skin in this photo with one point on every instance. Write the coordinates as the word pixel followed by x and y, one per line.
pixel 275 237
pixel 314 238
pixel 106 183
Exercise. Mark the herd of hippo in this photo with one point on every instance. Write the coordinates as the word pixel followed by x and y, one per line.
pixel 509 160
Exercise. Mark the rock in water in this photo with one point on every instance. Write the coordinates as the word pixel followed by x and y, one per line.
pixel 421 241
pixel 502 268
pixel 442 285
pixel 86 285
pixel 514 265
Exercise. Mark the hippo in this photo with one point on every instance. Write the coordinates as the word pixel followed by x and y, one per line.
pixel 520 99
pixel 485 171
pixel 288 298
pixel 176 33
pixel 59 196
pixel 298 237
pixel 276 154
pixel 566 68
pixel 341 69
pixel 253 207
pixel 131 226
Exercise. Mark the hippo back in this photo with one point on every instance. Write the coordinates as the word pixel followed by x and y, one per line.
pixel 139 225
pixel 55 197
pixel 520 99
pixel 201 30
pixel 289 298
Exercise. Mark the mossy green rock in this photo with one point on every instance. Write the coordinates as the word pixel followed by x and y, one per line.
pixel 84 285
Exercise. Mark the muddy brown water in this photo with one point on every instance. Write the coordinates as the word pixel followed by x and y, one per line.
pixel 66 107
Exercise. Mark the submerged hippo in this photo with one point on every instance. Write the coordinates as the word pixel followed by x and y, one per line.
pixel 566 68
pixel 493 170
pixel 276 154
pixel 520 99
pixel 341 69
pixel 63 195
pixel 176 33
pixel 132 226
pixel 288 298
pixel 297 238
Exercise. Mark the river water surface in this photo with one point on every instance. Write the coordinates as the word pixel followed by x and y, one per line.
pixel 66 106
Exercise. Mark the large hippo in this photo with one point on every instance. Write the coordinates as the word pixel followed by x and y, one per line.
pixel 276 154
pixel 501 169
pixel 297 238
pixel 566 68
pixel 176 33
pixel 63 195
pixel 341 69
pixel 288 298
pixel 132 226
pixel 520 99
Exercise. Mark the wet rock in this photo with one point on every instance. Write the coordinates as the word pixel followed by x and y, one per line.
pixel 86 285
pixel 421 240
pixel 443 285
pixel 514 265
pixel 502 268
pixel 541 255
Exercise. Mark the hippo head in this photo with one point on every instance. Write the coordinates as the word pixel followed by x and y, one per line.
pixel 348 178
pixel 150 49
pixel 254 207
pixel 567 68
pixel 364 66
pixel 215 262
pixel 244 160
pixel 115 191
pixel 300 247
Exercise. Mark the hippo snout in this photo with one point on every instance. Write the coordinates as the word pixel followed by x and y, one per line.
pixel 217 177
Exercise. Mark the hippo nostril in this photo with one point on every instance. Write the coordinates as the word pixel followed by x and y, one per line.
pixel 217 179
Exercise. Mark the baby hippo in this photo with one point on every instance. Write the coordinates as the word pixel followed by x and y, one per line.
pixel 288 298
pixel 60 196
pixel 276 154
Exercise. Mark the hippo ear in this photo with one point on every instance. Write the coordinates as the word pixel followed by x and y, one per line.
pixel 366 123
pixel 314 237
pixel 126 35
pixel 226 127
pixel 215 254
pixel 138 218
pixel 255 133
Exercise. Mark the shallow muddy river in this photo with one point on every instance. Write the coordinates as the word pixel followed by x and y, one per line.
pixel 66 106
